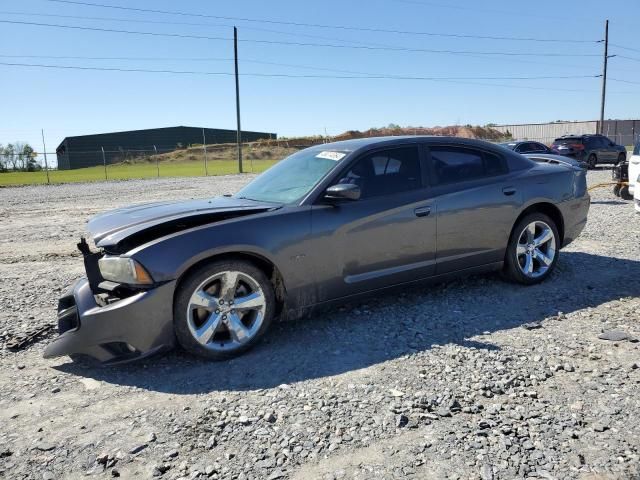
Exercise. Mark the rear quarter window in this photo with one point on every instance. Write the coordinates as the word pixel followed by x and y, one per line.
pixel 453 164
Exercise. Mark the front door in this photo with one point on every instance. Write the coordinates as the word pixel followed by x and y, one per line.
pixel 386 237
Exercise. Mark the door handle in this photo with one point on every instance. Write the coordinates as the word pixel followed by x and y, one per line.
pixel 508 191
pixel 422 211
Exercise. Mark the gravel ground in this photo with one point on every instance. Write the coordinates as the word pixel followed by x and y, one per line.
pixel 475 378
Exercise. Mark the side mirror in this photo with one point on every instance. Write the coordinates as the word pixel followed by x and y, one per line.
pixel 343 191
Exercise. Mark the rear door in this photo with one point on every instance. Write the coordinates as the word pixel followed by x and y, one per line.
pixel 609 153
pixel 386 237
pixel 478 203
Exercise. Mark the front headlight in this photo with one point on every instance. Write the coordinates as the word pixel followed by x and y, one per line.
pixel 124 270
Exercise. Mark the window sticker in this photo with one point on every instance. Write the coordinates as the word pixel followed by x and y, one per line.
pixel 331 155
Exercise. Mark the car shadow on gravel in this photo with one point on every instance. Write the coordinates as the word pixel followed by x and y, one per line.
pixel 609 202
pixel 357 336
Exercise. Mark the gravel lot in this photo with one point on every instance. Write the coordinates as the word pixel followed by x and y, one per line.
pixel 476 378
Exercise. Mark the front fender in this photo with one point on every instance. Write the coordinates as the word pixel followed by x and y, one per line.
pixel 281 237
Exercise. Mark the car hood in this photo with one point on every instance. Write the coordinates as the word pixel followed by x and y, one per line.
pixel 138 224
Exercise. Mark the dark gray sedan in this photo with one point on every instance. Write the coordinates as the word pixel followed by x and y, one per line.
pixel 327 224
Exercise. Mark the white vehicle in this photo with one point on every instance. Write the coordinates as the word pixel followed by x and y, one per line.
pixel 634 176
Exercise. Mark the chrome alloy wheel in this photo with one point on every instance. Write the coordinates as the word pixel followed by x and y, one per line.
pixel 536 249
pixel 226 311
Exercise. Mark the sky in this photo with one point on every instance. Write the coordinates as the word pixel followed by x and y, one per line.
pixel 367 38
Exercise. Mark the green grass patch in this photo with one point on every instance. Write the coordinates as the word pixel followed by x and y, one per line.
pixel 134 170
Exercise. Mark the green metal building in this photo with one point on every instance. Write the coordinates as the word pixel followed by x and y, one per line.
pixel 86 150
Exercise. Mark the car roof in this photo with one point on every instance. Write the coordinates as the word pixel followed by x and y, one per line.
pixel 577 135
pixel 363 143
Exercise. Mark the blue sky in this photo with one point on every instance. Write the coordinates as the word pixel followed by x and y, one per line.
pixel 75 102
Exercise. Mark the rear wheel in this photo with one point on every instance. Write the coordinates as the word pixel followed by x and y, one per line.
pixel 624 193
pixel 223 308
pixel 533 249
pixel 592 161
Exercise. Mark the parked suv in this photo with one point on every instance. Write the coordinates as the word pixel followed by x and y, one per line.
pixel 593 149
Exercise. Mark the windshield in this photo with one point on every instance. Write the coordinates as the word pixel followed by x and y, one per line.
pixel 291 179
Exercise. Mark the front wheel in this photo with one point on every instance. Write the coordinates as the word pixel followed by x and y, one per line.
pixel 533 249
pixel 621 158
pixel 223 308
pixel 592 161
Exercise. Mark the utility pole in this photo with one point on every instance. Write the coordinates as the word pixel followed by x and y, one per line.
pixel 104 161
pixel 46 167
pixel 604 75
pixel 204 145
pixel 157 161
pixel 239 134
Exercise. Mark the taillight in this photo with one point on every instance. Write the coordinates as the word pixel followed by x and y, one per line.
pixel 577 146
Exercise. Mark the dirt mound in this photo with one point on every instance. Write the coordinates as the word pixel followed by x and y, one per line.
pixel 466 131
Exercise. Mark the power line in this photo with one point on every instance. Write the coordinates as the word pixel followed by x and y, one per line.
pixel 305 44
pixel 624 48
pixel 197 24
pixel 364 76
pixel 316 25
pixel 455 80
pixel 634 59
pixel 290 65
pixel 625 81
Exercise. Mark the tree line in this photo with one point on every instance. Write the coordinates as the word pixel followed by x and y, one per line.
pixel 18 156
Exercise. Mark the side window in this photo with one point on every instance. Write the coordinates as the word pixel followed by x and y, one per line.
pixel 538 147
pixel 459 164
pixel 636 151
pixel 386 172
pixel 493 165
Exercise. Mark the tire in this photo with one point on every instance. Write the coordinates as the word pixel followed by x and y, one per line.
pixel 621 158
pixel 624 193
pixel 521 250
pixel 592 161
pixel 208 318
pixel 616 190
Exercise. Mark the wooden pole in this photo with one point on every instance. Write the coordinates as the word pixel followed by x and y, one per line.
pixel 46 166
pixel 604 75
pixel 239 133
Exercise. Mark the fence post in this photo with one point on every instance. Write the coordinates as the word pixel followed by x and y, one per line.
pixel 46 166
pixel 104 161
pixel 204 146
pixel 157 164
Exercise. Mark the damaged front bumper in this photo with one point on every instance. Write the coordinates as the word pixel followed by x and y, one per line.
pixel 112 329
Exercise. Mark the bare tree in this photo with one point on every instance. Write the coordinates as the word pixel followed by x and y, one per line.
pixel 21 161
pixel 10 156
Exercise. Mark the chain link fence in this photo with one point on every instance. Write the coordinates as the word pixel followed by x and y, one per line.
pixel 151 161
pixel 148 161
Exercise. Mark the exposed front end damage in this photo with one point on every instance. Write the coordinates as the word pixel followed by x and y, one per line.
pixel 110 322
pixel 112 329
pixel 115 320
